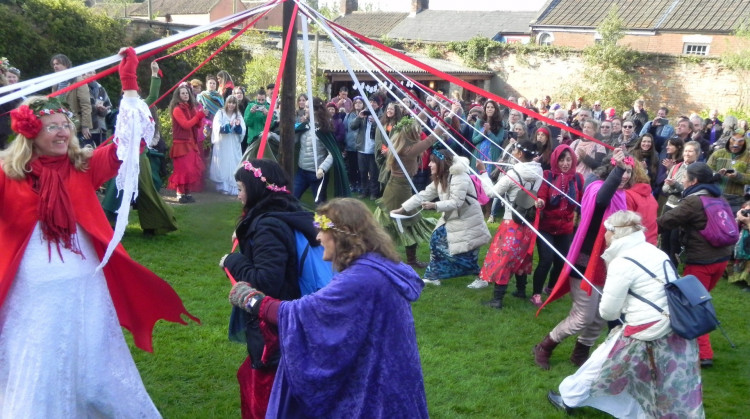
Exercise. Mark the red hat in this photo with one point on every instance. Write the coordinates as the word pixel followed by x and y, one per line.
pixel 544 130
pixel 332 104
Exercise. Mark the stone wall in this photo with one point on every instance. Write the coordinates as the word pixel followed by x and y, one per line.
pixel 684 86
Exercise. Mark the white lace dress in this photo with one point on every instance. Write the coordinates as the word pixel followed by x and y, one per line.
pixel 62 351
pixel 227 153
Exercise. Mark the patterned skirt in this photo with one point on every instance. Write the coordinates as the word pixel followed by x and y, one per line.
pixel 508 254
pixel 631 377
pixel 443 265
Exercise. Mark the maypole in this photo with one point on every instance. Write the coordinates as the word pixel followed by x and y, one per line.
pixel 288 94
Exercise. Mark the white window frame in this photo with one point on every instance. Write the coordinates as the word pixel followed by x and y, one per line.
pixel 688 45
pixel 547 34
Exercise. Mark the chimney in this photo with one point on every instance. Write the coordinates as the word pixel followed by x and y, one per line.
pixel 418 6
pixel 348 6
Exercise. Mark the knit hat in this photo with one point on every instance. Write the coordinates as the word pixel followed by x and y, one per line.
pixel 331 104
pixel 701 172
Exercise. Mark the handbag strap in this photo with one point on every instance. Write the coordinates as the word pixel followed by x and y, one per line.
pixel 639 297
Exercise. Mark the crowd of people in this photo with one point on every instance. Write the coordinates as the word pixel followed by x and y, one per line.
pixel 630 186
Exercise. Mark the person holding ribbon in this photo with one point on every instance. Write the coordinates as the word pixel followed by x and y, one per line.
pixel 623 184
pixel 338 343
pixel 461 230
pixel 267 262
pixel 512 248
pixel 67 357
pixel 415 229
pixel 643 369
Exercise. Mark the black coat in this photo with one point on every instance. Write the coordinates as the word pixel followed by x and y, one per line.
pixel 268 255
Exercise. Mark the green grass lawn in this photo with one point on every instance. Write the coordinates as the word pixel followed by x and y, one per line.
pixel 477 361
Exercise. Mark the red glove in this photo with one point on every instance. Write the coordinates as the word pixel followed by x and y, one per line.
pixel 129 64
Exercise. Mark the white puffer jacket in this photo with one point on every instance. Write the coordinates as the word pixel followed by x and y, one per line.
pixel 531 174
pixel 462 214
pixel 624 275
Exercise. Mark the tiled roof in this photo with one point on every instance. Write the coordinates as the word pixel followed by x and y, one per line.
pixel 665 15
pixel 371 24
pixel 175 7
pixel 448 25
pixel 114 10
pixel 330 62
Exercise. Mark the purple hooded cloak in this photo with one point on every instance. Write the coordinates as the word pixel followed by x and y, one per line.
pixel 350 349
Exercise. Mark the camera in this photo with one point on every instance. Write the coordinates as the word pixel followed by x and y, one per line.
pixel 366 113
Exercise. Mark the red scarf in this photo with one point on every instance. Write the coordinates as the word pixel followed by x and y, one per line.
pixel 56 213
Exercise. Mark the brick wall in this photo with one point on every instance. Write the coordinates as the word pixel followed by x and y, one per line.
pixel 683 86
pixel 664 43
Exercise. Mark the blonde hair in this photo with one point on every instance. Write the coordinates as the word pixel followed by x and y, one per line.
pixel 624 223
pixel 356 232
pixel 16 157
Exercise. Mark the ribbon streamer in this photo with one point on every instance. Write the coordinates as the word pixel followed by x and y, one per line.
pixel 134 123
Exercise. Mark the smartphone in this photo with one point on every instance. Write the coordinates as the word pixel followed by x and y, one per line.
pixel 366 113
pixel 729 171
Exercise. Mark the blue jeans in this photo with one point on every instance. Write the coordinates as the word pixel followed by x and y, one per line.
pixel 306 179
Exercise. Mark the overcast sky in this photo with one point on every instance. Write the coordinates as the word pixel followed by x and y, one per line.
pixel 405 5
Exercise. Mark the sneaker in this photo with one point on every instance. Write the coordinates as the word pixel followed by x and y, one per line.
pixel 435 282
pixel 536 299
pixel 707 363
pixel 478 284
pixel 491 219
pixel 183 200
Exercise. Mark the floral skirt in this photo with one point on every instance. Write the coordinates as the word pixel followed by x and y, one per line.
pixel 508 254
pixel 631 377
pixel 444 265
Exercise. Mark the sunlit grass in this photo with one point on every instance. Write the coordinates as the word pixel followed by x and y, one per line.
pixel 477 361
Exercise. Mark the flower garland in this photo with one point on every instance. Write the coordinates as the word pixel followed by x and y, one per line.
pixel 323 223
pixel 627 160
pixel 25 120
pixel 258 174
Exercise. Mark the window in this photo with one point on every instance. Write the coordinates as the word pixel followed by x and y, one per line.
pixel 546 38
pixel 695 49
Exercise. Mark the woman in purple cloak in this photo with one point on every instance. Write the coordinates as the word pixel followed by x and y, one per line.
pixel 337 344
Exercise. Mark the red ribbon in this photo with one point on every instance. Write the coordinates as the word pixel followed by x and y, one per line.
pixel 289 36
pixel 466 85
pixel 229 275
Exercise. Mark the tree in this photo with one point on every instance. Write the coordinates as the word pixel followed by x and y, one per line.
pixel 610 75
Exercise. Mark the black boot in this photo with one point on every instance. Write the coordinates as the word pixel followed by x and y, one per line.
pixel 556 400
pixel 580 354
pixel 498 293
pixel 520 291
pixel 411 257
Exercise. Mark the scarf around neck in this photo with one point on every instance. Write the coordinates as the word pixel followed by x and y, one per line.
pixel 56 214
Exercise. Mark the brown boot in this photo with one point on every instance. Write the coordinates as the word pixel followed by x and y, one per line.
pixel 580 354
pixel 543 351
pixel 411 257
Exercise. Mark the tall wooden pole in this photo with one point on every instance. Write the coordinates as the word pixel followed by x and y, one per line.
pixel 287 95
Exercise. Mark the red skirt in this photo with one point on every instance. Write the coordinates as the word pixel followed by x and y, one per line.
pixel 508 254
pixel 188 171
pixel 255 390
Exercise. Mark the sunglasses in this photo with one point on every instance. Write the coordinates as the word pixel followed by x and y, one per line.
pixel 627 126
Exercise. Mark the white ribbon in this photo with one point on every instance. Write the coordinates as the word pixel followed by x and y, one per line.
pixel 29 87
pixel 133 124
